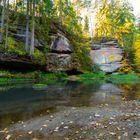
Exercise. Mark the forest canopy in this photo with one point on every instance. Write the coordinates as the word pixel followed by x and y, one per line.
pixel 39 18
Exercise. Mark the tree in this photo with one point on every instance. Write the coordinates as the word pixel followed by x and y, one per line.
pixel 27 27
pixel 2 21
pixel 7 25
pixel 33 29
pixel 117 21
pixel 86 24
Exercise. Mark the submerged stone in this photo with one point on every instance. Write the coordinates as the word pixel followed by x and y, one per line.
pixel 40 86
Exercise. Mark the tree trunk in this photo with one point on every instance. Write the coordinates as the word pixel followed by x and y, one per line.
pixel 27 27
pixel 15 6
pixel 7 25
pixel 2 21
pixel 33 30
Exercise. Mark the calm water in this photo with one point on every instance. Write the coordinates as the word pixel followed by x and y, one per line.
pixel 19 103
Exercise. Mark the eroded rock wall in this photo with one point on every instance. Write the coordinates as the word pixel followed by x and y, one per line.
pixel 108 59
pixel 60 56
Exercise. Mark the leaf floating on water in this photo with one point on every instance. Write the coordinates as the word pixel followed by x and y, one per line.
pixel 66 127
pixel 1 131
pixel 106 104
pixel 4 131
pixel 35 139
pixel 8 137
pixel 76 132
pixel 111 118
pixel 56 129
pixel 125 134
pixel 97 115
pixel 90 117
pixel 44 125
pixel 30 132
pixel 71 122
pixel 112 133
pixel 100 135
pixel 48 111
pixel 66 138
pixel 119 128
pixel 119 137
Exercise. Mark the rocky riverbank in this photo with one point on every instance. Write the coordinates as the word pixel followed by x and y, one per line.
pixel 106 121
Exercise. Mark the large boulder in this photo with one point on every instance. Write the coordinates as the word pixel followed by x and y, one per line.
pixel 60 57
pixel 60 44
pixel 59 62
pixel 108 59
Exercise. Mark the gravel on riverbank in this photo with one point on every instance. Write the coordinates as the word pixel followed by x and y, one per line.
pixel 104 122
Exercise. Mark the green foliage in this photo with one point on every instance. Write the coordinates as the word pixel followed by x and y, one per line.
pixel 98 75
pixel 117 21
pixel 86 25
pixel 39 57
pixel 15 47
pixel 124 78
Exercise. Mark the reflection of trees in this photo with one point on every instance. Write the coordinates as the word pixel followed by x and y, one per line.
pixel 131 92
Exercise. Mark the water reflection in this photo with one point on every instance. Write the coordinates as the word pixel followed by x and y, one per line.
pixel 24 102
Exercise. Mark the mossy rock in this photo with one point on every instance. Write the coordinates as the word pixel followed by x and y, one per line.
pixel 40 86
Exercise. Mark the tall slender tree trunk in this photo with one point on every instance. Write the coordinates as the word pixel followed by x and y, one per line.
pixel 33 30
pixel 15 6
pixel 112 17
pixel 2 21
pixel 27 27
pixel 61 7
pixel 7 25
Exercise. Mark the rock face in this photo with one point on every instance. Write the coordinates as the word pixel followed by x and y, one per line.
pixel 59 62
pixel 21 35
pixel 61 44
pixel 60 57
pixel 107 58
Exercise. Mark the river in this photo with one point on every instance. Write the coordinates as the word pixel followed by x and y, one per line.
pixel 21 106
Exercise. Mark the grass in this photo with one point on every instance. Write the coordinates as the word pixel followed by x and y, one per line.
pixel 99 75
pixel 123 78
pixel 116 79
pixel 51 78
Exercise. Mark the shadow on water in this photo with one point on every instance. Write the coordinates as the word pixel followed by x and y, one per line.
pixel 19 103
